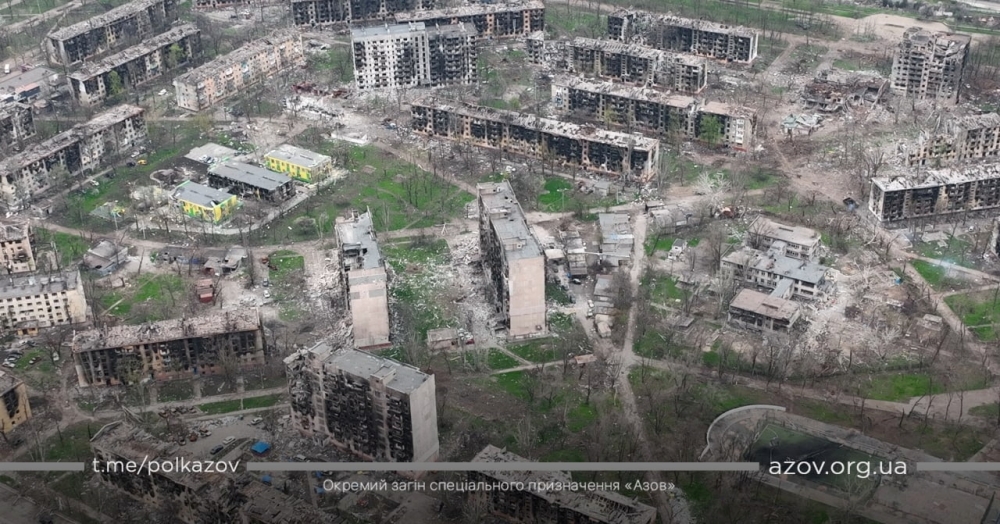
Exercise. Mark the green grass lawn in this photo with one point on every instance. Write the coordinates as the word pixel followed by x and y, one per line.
pixel 956 251
pixel 414 284
pixel 574 22
pixel 43 364
pixel 511 383
pixel 901 387
pixel 558 193
pixel 499 360
pixel 556 293
pixel 654 244
pixel 581 416
pixel 990 411
pixel 663 288
pixel 228 406
pixel 287 261
pixel 654 345
pixel 159 294
pixel 979 312
pixel 69 444
pixel 535 351
pixel 286 281
pixel 71 248
pixel 936 276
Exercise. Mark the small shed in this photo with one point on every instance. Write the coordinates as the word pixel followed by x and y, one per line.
pixel 443 338
pixel 260 447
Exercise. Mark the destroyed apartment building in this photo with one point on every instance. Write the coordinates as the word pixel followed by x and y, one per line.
pixel 617 239
pixel 311 13
pixel 81 149
pixel 15 245
pixel 637 64
pixel 774 270
pixel 832 91
pixel 39 301
pixel 684 35
pixel 414 55
pixel 513 262
pixel 957 140
pixel 93 82
pixel 206 5
pixel 491 20
pixel 17 123
pixel 798 242
pixel 365 282
pixel 15 409
pixel 123 26
pixel 242 68
pixel 248 180
pixel 930 65
pixel 652 110
pixel 758 311
pixel 168 349
pixel 374 407
pixel 551 506
pixel 908 194
pixel 608 152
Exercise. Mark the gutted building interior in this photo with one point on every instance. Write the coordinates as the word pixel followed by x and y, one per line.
pixel 513 261
pixel 652 110
pixel 365 281
pixel 930 65
pixel 17 123
pixel 552 506
pixel 14 406
pixel 374 407
pixel 123 26
pixel 16 236
pixel 246 180
pixel 609 152
pixel 242 68
pixel 313 13
pixel 491 20
pixel 136 65
pixel 81 149
pixel 932 192
pixel 35 301
pixel 205 5
pixel 637 64
pixel 684 35
pixel 176 348
pixel 957 140
pixel 414 55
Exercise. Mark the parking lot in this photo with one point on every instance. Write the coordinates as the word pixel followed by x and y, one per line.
pixel 222 427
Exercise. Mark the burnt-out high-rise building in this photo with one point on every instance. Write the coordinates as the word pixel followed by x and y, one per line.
pixel 14 407
pixel 930 65
pixel 123 26
pixel 491 20
pixel 684 35
pixel 312 13
pixel 414 55
pixel 374 407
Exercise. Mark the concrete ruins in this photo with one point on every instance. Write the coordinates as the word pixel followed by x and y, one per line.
pixel 374 407
pixel 906 194
pixel 136 65
pixel 617 239
pixel 759 311
pixel 205 5
pixel 301 164
pixel 673 33
pixel 414 55
pixel 637 64
pixel 491 20
pixel 957 140
pixel 364 281
pixel 994 244
pixel 783 275
pixel 833 91
pixel 233 73
pixel 313 13
pixel 17 123
pixel 513 262
pixel 14 397
pixel 552 506
pixel 105 258
pixel 15 245
pixel 128 24
pixel 42 300
pixel 211 343
pixel 652 110
pixel 930 65
pixel 83 148
pixel 798 242
pixel 609 152
pixel 246 180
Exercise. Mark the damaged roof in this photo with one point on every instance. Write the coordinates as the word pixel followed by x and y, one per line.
pixel 358 235
pixel 764 304
pixel 200 195
pixel 395 375
pixel 28 285
pixel 508 221
pixel 206 325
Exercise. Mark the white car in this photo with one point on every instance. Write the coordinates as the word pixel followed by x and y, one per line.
pixel 267 293
pixel 228 440
pixel 256 421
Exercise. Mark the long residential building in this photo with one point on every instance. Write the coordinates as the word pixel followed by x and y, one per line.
pixel 551 506
pixel 82 149
pixel 673 33
pixel 513 261
pixel 17 123
pixel 650 110
pixel 136 65
pixel 14 406
pixel 374 407
pixel 15 245
pixel 958 140
pixel 125 25
pixel 233 73
pixel 924 193
pixel 491 20
pixel 930 65
pixel 414 55
pixel 609 152
pixel 312 13
pixel 773 270
pixel 798 242
pixel 637 64
pixel 365 281
pixel 183 347
pixel 32 302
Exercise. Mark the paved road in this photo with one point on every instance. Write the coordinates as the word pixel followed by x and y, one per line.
pixel 18 509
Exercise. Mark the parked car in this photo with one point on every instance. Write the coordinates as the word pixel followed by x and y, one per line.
pixel 256 421
pixel 228 440
pixel 217 449
pixel 267 294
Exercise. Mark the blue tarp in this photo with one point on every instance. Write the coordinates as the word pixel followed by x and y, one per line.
pixel 260 447
pixel 266 479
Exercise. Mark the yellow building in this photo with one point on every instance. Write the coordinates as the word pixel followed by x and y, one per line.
pixel 300 164
pixel 205 203
pixel 14 408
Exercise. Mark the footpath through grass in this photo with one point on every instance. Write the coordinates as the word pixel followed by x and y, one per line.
pixel 980 312
pixel 228 406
